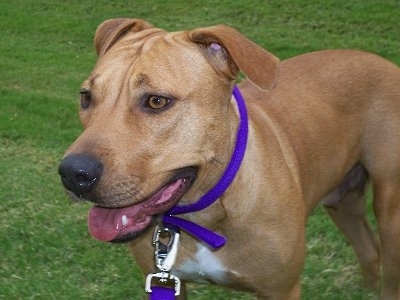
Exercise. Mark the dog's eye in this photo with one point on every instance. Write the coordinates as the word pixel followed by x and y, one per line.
pixel 86 98
pixel 157 102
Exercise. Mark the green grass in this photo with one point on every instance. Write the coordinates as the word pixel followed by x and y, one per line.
pixel 46 51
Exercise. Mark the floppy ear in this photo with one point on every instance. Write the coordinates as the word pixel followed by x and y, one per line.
pixel 110 31
pixel 229 51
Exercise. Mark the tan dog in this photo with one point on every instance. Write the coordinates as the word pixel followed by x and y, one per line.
pixel 160 125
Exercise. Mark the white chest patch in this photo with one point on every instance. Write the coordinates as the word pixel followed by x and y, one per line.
pixel 203 268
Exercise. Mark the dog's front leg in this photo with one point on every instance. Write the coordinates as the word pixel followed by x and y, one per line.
pixel 292 294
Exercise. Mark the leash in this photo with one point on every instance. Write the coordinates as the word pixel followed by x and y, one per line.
pixel 166 235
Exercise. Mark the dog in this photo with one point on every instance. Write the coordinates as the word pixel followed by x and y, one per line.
pixel 160 125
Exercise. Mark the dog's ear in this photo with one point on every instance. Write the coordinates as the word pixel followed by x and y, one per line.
pixel 110 31
pixel 229 51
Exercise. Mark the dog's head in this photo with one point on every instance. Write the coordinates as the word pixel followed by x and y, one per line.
pixel 158 122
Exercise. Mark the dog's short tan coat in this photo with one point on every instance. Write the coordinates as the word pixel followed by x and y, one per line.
pixel 321 125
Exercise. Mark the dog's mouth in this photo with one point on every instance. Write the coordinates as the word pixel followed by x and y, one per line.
pixel 127 223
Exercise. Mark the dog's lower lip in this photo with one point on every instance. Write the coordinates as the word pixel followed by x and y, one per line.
pixel 129 237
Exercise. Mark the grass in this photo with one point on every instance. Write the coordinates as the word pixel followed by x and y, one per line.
pixel 46 51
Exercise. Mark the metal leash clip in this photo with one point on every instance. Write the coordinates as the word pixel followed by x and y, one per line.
pixel 166 252
pixel 164 278
pixel 166 242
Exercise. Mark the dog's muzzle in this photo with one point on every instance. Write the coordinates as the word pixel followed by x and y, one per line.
pixel 80 175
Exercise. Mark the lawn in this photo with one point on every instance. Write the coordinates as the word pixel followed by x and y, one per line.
pixel 46 50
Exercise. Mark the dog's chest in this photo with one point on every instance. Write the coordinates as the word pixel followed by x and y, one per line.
pixel 203 267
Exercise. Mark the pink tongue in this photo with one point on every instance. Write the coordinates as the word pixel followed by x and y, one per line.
pixel 105 224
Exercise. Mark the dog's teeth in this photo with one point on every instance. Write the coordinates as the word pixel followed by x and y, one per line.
pixel 124 220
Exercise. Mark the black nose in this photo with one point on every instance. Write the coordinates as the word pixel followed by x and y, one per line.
pixel 80 172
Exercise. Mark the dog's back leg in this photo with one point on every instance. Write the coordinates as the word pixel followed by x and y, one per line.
pixel 387 211
pixel 380 155
pixel 346 206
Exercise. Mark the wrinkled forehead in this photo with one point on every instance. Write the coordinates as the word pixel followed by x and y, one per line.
pixel 155 57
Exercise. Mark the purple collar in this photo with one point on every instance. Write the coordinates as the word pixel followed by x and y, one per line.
pixel 211 238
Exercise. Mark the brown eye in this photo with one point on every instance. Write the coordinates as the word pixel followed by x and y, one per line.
pixel 157 102
pixel 86 99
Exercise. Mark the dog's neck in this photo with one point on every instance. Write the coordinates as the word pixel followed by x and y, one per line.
pixel 211 238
